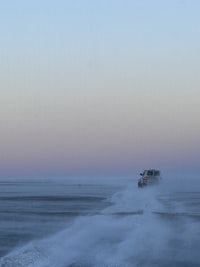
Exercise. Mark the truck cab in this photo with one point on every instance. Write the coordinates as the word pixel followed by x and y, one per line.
pixel 149 177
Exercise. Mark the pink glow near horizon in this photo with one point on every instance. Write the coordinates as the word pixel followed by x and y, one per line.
pixel 101 91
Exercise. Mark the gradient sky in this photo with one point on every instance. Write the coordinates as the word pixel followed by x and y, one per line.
pixel 99 87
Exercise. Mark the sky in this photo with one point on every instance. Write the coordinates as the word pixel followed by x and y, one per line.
pixel 99 87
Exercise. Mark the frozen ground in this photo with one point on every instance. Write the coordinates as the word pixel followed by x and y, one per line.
pixel 99 222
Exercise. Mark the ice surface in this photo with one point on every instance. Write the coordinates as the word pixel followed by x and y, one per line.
pixel 140 227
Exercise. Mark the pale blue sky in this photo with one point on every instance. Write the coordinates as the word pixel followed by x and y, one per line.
pixel 99 86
